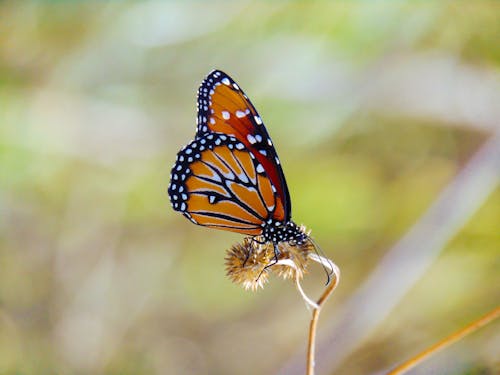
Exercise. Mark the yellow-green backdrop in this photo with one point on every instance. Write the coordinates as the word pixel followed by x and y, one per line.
pixel 384 115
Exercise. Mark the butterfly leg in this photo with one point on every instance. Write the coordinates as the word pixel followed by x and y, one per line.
pixel 248 253
pixel 276 255
pixel 274 261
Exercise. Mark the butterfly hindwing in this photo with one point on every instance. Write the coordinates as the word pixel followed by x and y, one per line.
pixel 217 182
pixel 224 108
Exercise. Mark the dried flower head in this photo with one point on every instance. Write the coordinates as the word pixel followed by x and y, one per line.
pixel 246 262
pixel 250 262
pixel 298 254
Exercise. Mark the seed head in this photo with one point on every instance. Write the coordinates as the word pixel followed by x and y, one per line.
pixel 250 262
pixel 246 262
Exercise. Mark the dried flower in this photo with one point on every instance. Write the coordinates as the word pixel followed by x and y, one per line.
pixel 297 254
pixel 246 264
pixel 250 262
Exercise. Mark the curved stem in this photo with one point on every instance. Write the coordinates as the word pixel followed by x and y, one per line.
pixel 311 344
pixel 492 315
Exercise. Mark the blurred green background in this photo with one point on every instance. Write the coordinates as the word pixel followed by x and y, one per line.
pixel 374 108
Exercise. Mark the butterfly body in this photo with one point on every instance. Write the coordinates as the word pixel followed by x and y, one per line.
pixel 230 177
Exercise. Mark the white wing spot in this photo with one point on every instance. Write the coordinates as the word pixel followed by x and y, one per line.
pixel 260 168
pixel 226 81
pixel 240 146
pixel 251 139
pixel 225 115
pixel 211 199
pixel 263 152
pixel 258 120
pixel 258 137
pixel 212 120
pixel 240 114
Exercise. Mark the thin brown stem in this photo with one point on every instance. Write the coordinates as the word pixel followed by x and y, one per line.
pixel 311 342
pixel 314 323
pixel 492 315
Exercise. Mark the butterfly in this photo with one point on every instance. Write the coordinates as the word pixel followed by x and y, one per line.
pixel 230 177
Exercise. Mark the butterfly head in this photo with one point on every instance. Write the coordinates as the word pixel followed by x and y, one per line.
pixel 278 231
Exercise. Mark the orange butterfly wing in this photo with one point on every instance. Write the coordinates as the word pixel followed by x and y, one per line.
pixel 224 108
pixel 216 182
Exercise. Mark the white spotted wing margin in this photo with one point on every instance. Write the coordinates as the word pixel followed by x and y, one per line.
pixel 217 182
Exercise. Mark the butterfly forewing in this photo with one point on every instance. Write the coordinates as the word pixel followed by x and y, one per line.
pixel 217 182
pixel 224 108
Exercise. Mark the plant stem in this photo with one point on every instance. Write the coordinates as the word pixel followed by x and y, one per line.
pixel 489 317
pixel 314 323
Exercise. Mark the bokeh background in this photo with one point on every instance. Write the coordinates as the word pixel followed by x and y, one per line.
pixel 386 118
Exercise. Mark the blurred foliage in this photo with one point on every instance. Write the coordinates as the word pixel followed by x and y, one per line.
pixel 373 107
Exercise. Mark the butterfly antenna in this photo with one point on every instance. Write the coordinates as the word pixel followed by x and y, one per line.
pixel 329 270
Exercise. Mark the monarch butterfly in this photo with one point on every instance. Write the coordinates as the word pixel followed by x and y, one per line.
pixel 230 177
